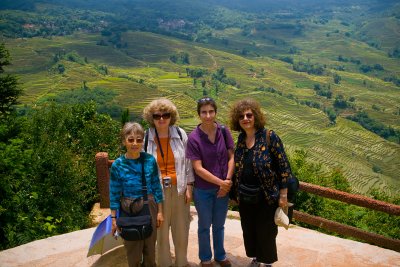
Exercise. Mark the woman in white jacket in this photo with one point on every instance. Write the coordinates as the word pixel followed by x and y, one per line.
pixel 167 143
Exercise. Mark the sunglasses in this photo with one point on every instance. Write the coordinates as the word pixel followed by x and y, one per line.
pixel 132 140
pixel 247 115
pixel 159 116
pixel 205 99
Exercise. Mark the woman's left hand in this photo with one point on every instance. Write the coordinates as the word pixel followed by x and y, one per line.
pixel 189 194
pixel 283 202
pixel 160 219
pixel 222 193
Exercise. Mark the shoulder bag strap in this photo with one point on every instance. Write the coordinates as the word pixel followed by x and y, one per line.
pixel 223 129
pixel 179 132
pixel 144 186
pixel 268 133
pixel 146 140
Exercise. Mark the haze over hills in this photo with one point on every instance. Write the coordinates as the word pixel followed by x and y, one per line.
pixel 326 72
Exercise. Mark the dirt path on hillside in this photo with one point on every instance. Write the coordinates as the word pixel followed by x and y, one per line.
pixel 215 65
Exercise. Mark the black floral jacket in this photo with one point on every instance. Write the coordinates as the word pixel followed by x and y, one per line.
pixel 271 166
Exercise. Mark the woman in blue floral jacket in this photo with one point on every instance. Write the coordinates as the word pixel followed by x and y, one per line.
pixel 259 181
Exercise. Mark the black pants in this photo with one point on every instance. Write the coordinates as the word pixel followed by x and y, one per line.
pixel 259 230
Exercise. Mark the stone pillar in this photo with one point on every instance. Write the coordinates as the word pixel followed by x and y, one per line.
pixel 103 179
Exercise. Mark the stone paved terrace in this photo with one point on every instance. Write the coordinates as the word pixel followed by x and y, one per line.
pixel 296 247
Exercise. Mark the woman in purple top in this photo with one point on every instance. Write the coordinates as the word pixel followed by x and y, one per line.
pixel 210 148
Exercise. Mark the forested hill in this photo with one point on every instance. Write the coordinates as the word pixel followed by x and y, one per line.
pixel 326 72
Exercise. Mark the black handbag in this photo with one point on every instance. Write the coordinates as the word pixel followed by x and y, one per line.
pixel 249 194
pixel 134 227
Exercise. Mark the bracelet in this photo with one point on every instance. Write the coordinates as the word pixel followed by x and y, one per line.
pixel 113 217
pixel 283 195
pixel 190 184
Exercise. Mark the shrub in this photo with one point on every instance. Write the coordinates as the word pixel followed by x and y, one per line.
pixel 180 58
pixel 308 67
pixel 336 78
pixel 287 59
pixel 363 218
pixel 48 182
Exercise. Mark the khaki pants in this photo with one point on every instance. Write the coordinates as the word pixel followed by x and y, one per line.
pixel 177 217
pixel 144 249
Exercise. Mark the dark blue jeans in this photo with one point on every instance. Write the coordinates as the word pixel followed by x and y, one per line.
pixel 211 211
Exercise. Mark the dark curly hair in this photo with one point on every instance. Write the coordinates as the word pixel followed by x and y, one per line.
pixel 240 107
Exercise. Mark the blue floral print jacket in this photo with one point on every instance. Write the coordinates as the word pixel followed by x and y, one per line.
pixel 271 165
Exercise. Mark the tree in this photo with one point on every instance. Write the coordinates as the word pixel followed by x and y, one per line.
pixel 61 68
pixel 9 91
pixel 331 115
pixel 340 102
pixel 336 78
pixel 125 116
pixel 180 58
pixel 47 172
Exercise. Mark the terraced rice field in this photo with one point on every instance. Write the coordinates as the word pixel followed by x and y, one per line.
pixel 142 72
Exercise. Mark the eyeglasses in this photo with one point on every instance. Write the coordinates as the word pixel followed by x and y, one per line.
pixel 132 140
pixel 159 116
pixel 205 99
pixel 247 115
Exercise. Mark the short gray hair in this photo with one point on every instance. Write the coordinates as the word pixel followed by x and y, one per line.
pixel 131 128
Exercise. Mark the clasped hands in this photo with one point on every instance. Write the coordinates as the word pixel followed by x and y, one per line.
pixel 224 188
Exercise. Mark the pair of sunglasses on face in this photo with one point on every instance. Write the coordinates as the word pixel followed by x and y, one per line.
pixel 163 116
pixel 246 115
pixel 132 140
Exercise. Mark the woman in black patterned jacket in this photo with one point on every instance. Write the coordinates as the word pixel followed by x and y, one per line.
pixel 259 181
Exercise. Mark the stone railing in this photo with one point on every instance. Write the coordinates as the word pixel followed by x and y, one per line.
pixel 103 163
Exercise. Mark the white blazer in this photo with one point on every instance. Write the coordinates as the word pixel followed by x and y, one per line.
pixel 183 166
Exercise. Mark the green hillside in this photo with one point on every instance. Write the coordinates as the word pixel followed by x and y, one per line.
pixel 328 75
pixel 143 71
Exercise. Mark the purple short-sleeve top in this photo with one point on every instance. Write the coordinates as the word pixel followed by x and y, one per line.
pixel 213 156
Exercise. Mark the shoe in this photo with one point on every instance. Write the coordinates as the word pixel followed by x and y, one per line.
pixel 253 263
pixel 224 263
pixel 207 264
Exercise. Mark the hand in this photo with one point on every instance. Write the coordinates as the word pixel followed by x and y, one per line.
pixel 226 185
pixel 221 193
pixel 160 219
pixel 189 194
pixel 114 227
pixel 283 201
